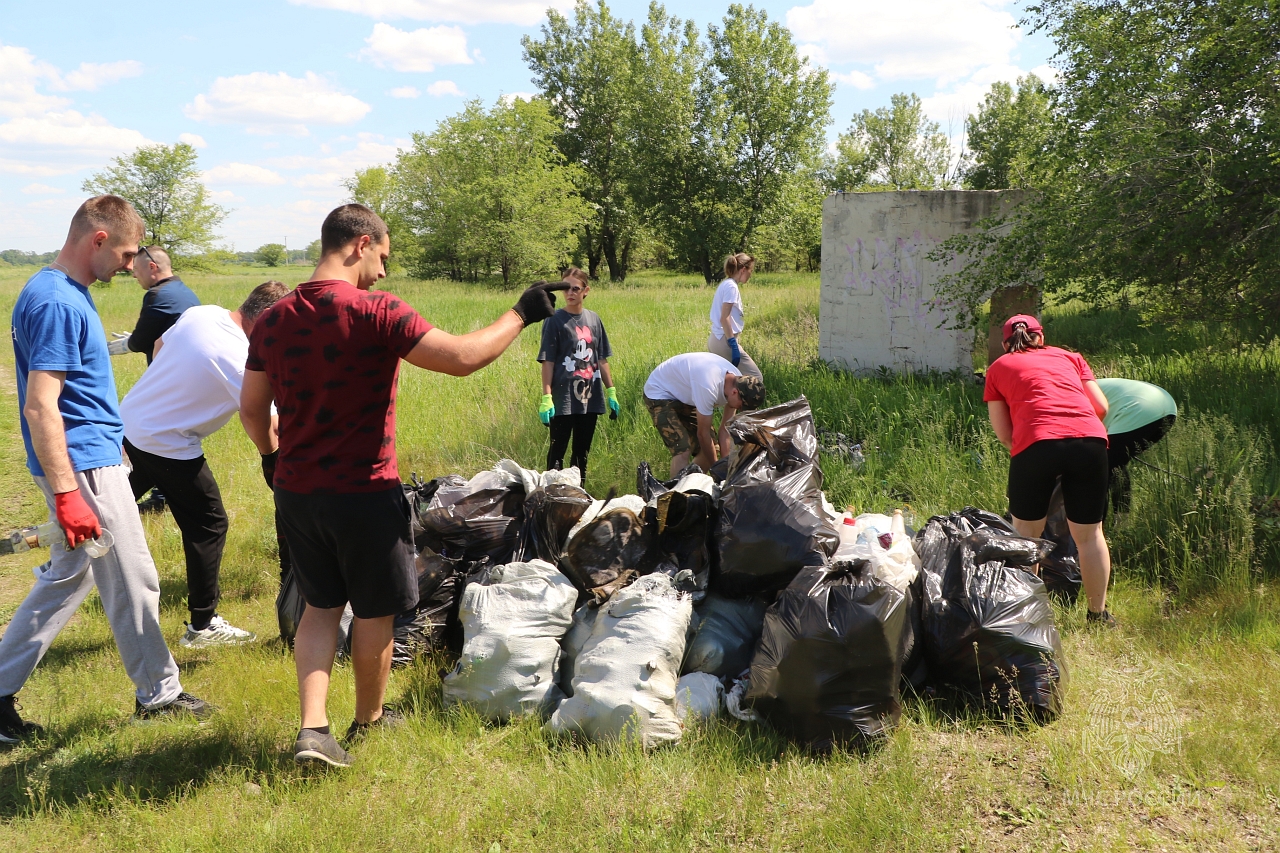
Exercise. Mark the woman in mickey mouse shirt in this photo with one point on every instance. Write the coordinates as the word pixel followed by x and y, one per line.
pixel 577 385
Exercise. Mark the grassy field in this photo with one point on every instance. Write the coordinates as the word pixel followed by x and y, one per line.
pixel 1169 739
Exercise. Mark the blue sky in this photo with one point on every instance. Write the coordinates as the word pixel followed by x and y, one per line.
pixel 285 98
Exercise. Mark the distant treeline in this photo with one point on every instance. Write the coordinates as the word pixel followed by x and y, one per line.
pixel 18 258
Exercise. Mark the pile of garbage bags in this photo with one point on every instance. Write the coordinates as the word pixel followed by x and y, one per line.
pixel 739 590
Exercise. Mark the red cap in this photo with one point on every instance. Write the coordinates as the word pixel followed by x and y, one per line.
pixel 1033 325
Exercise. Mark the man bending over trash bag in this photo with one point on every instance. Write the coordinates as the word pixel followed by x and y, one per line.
pixel 188 393
pixel 328 355
pixel 1140 414
pixel 684 391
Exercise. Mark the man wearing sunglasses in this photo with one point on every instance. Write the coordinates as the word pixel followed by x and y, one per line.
pixel 166 298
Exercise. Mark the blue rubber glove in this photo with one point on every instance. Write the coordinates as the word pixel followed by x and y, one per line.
pixel 546 410
pixel 611 399
pixel 734 352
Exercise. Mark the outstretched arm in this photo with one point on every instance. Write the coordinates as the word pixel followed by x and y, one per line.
pixel 462 355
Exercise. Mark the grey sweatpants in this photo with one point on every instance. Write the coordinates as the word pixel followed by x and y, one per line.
pixel 127 583
pixel 721 348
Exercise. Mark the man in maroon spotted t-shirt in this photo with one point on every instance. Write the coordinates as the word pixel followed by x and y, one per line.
pixel 328 355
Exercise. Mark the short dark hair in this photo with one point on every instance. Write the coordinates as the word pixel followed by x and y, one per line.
pixel 347 223
pixel 160 258
pixel 261 298
pixel 109 213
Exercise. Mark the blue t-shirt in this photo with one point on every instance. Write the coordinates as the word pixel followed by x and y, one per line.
pixel 56 327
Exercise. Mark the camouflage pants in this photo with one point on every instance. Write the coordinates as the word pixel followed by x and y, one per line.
pixel 677 424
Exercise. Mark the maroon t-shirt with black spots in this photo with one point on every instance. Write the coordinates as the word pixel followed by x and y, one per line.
pixel 332 354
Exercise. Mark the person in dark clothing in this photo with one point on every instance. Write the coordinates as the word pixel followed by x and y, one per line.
pixel 166 298
pixel 576 381
pixel 1140 414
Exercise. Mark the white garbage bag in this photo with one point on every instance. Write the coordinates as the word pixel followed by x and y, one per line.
pixel 513 622
pixel 698 695
pixel 635 503
pixel 584 620
pixel 624 683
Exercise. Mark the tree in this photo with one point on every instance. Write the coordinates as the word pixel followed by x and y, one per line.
pixel 585 71
pixel 1007 136
pixel 373 187
pixel 163 183
pixel 313 251
pixel 1161 169
pixel 895 147
pixel 271 254
pixel 489 191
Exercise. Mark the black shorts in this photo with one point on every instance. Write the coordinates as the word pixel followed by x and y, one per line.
pixel 1082 464
pixel 353 548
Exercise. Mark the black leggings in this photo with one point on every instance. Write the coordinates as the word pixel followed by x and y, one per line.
pixel 582 428
pixel 193 498
pixel 1123 447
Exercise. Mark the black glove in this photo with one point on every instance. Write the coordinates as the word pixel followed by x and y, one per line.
pixel 538 302
pixel 269 461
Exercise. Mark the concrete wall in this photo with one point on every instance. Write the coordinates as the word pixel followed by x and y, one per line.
pixel 878 305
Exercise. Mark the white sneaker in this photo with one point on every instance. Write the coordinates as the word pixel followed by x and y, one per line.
pixel 219 633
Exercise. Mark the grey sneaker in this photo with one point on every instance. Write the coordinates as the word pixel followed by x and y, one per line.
pixel 219 633
pixel 390 719
pixel 184 704
pixel 314 748
pixel 14 729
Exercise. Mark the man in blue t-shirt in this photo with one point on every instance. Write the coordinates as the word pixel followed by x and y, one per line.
pixel 72 430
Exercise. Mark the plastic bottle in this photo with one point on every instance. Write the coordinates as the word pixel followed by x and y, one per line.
pixel 899 525
pixel 45 535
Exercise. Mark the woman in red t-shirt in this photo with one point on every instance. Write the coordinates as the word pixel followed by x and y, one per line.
pixel 1047 408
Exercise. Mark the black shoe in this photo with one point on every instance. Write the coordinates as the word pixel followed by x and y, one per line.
pixel 390 719
pixel 184 704
pixel 1105 619
pixel 153 502
pixel 14 729
pixel 311 747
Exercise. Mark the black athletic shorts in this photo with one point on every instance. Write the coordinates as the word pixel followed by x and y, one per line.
pixel 351 548
pixel 1082 464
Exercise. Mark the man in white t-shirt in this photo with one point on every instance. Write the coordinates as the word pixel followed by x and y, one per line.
pixel 683 393
pixel 189 392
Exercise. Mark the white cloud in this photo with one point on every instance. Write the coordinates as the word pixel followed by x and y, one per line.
pixel 908 39
pixel 523 12
pixel 222 195
pixel 440 88
pixel 276 103
pixel 856 79
pixel 404 92
pixel 20 75
pixel 242 174
pixel 60 142
pixel 369 150
pixel 94 75
pixel 511 98
pixel 965 96
pixel 41 189
pixel 322 180
pixel 195 140
pixel 419 50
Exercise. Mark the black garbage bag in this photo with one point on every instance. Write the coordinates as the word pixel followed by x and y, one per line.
pixel 727 635
pixel 648 486
pixel 683 524
pixel 829 662
pixel 289 607
pixel 482 525
pixel 1060 571
pixel 988 626
pixel 605 555
pixel 771 520
pixel 549 514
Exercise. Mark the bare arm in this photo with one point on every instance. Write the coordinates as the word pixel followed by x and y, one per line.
pixel 725 442
pixel 156 350
pixel 998 412
pixel 1099 400
pixel 48 434
pixel 548 371
pixel 707 451
pixel 462 355
pixel 255 411
pixel 725 309
pixel 606 373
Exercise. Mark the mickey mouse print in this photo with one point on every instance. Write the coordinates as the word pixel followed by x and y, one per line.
pixel 575 344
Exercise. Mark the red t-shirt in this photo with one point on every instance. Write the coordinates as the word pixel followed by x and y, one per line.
pixel 1044 390
pixel 332 354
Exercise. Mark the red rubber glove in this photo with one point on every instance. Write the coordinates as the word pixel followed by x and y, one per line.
pixel 77 520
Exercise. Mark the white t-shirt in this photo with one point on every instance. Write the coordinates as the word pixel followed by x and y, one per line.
pixel 727 292
pixel 191 389
pixel 695 379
